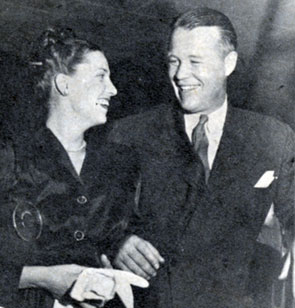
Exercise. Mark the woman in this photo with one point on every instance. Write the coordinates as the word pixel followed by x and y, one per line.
pixel 72 201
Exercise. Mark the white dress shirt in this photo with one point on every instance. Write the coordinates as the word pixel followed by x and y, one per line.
pixel 213 128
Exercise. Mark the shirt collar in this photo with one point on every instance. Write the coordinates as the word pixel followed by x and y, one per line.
pixel 216 118
pixel 215 121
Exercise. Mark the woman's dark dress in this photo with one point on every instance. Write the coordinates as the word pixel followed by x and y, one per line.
pixel 83 215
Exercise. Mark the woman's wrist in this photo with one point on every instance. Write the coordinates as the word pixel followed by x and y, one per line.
pixel 34 277
pixel 56 279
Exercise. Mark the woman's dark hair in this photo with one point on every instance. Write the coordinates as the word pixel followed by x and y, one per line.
pixel 56 51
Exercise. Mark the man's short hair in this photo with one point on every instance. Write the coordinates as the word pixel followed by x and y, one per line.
pixel 205 17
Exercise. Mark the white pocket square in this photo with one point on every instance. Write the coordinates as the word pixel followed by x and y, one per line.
pixel 266 179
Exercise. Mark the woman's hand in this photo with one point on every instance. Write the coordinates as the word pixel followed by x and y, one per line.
pixel 57 279
pixel 94 286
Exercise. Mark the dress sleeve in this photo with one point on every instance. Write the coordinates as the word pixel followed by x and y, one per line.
pixel 7 166
pixel 13 250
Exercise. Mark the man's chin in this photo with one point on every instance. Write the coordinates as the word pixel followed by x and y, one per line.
pixel 188 106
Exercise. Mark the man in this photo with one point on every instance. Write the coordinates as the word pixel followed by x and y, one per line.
pixel 210 173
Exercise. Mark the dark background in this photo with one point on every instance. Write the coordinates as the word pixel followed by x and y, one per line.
pixel 134 34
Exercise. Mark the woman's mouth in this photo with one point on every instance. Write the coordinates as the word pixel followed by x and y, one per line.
pixel 105 106
pixel 103 103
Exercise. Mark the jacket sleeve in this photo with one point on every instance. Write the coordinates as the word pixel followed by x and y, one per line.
pixel 120 201
pixel 284 199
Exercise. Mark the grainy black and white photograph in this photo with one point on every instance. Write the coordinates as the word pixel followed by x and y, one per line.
pixel 147 153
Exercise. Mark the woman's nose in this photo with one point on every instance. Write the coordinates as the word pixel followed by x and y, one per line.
pixel 112 89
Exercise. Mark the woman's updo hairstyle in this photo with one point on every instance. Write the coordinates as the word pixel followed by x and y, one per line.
pixel 56 51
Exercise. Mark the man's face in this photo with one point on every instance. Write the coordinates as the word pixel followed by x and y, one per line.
pixel 198 68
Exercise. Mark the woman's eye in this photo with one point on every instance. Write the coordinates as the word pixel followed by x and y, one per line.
pixel 195 62
pixel 172 61
pixel 100 76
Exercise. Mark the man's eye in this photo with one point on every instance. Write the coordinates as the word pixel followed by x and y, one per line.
pixel 194 62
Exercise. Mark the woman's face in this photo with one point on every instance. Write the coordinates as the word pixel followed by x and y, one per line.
pixel 90 89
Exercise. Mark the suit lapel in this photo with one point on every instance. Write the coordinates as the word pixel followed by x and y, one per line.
pixel 186 160
pixel 236 158
pixel 186 173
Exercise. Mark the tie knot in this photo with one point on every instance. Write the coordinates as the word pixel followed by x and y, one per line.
pixel 199 130
pixel 203 119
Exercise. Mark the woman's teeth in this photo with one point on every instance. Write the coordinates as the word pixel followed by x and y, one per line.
pixel 103 103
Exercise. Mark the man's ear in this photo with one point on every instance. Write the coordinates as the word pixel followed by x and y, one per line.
pixel 61 84
pixel 230 62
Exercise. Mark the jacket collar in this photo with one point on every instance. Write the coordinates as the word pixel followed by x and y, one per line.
pixel 185 160
pixel 51 152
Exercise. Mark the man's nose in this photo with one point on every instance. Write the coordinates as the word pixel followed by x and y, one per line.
pixel 182 71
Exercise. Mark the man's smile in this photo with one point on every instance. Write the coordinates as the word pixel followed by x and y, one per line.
pixel 187 88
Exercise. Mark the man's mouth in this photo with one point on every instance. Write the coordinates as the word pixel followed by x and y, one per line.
pixel 187 88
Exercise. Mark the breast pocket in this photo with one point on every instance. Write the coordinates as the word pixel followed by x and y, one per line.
pixel 262 188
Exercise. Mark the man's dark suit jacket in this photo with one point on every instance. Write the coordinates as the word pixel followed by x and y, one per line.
pixel 207 233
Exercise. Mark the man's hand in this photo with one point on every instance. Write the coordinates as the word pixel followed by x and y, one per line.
pixel 139 257
pixel 106 263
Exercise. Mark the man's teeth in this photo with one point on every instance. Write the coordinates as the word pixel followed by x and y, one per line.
pixel 189 88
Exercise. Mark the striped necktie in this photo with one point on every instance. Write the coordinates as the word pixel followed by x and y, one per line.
pixel 201 143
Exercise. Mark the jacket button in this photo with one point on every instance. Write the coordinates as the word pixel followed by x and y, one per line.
pixel 79 235
pixel 82 200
